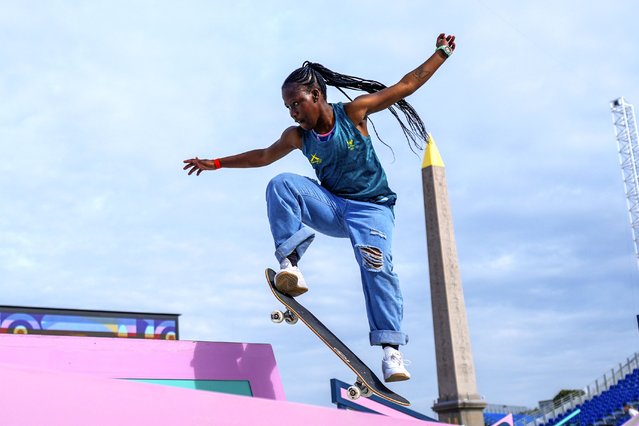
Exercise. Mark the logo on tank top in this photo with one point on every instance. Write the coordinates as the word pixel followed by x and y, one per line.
pixel 350 145
pixel 315 159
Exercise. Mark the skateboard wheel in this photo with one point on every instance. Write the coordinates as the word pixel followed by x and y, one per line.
pixel 354 392
pixel 277 316
pixel 290 317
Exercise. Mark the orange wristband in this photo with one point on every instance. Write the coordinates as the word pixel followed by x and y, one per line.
pixel 217 163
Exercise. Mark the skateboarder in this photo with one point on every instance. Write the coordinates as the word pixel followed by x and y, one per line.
pixel 352 199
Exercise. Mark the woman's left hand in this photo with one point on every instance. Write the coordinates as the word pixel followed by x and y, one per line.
pixel 445 40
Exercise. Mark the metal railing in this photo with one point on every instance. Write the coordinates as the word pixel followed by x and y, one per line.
pixel 506 409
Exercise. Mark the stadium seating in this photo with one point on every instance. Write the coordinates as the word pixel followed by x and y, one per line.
pixel 492 418
pixel 607 407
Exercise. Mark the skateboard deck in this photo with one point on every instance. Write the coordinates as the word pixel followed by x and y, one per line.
pixel 367 382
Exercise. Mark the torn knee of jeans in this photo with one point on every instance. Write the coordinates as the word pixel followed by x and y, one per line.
pixel 378 233
pixel 372 258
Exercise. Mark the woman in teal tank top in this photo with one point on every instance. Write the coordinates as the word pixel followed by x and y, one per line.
pixel 351 197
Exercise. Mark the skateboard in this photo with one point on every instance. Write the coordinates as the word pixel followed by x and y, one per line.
pixel 367 382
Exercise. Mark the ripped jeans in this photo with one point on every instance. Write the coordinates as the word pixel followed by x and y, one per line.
pixel 297 205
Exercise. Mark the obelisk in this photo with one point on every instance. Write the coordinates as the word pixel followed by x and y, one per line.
pixel 459 401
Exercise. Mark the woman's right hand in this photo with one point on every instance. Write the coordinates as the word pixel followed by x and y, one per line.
pixel 199 165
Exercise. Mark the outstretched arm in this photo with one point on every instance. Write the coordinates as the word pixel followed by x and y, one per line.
pixel 364 105
pixel 289 141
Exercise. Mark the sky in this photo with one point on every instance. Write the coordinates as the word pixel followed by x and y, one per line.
pixel 102 101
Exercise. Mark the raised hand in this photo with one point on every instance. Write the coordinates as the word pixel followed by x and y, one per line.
pixel 445 40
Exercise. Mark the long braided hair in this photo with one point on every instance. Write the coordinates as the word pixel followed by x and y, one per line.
pixel 314 74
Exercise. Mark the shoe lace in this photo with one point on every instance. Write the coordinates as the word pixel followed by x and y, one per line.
pixel 399 359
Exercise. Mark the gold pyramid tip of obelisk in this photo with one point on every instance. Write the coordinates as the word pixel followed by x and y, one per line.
pixel 431 154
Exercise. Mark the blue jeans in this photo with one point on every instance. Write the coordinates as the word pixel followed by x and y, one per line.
pixel 298 205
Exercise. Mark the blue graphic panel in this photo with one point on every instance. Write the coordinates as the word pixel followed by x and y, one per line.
pixel 24 320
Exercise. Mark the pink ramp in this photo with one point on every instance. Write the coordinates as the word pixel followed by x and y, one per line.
pixel 32 397
pixel 165 360
pixel 634 421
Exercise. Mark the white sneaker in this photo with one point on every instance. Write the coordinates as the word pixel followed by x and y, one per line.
pixel 393 366
pixel 289 280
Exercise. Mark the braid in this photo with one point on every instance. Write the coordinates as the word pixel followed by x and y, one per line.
pixel 314 74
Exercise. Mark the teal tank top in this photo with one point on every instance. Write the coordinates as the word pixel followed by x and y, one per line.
pixel 346 163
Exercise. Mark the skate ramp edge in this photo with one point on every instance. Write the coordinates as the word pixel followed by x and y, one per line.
pixel 40 397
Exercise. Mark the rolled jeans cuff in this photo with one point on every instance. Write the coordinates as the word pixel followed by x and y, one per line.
pixel 299 242
pixel 379 337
